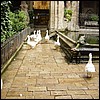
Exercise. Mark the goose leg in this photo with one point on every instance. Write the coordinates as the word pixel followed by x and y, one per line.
pixel 89 74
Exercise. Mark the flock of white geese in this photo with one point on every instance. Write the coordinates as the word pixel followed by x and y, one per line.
pixel 35 38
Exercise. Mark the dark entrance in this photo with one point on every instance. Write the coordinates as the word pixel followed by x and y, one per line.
pixel 88 11
pixel 39 16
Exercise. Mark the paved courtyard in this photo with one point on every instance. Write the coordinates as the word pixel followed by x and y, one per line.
pixel 43 73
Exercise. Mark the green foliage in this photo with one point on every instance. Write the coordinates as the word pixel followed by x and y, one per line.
pixel 5 25
pixel 94 17
pixel 18 20
pixel 68 11
pixel 68 14
pixel 11 23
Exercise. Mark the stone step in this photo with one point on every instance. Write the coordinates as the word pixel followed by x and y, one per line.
pixel 89 30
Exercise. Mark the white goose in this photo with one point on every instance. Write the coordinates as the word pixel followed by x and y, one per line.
pixel 47 36
pixel 39 37
pixel 57 44
pixel 33 36
pixel 89 66
pixel 31 43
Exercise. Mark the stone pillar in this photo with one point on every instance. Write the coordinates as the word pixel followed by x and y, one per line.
pixel 75 14
pixel 60 15
pixel 24 7
pixel 55 15
pixel 52 15
pixel 31 5
pixel 68 4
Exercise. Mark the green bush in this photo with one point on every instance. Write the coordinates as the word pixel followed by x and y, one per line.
pixel 18 20
pixel 11 23
pixel 6 28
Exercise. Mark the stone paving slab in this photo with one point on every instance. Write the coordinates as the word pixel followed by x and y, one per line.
pixel 43 73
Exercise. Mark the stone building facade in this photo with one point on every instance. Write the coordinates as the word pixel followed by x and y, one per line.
pixel 56 12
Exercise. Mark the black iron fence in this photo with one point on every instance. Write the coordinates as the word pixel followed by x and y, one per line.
pixel 9 47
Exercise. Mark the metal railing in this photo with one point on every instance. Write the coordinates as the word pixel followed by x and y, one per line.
pixel 67 43
pixel 9 47
pixel 66 39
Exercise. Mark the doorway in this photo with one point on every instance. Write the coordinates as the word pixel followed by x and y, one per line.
pixel 40 15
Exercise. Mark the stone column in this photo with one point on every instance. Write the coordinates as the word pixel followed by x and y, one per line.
pixel 52 16
pixel 68 4
pixel 55 15
pixel 75 12
pixel 77 15
pixel 60 15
